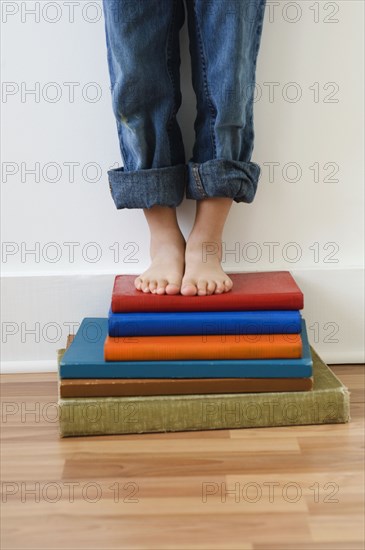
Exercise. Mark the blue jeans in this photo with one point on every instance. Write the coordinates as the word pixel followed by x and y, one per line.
pixel 144 60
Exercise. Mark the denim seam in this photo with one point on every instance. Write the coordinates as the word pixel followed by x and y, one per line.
pixel 212 109
pixel 171 76
pixel 122 150
pixel 198 182
pixel 113 82
pixel 258 32
pixel 257 41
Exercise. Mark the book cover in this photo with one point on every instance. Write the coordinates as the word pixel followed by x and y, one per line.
pixel 197 347
pixel 118 387
pixel 251 291
pixel 85 359
pixel 327 403
pixel 204 322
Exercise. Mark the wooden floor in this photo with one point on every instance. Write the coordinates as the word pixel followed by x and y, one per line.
pixel 269 488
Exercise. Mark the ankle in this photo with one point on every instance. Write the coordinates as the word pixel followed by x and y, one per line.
pixel 166 236
pixel 165 232
pixel 201 241
pixel 168 243
pixel 161 219
pixel 206 251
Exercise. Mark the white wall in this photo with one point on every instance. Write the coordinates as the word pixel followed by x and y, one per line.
pixel 309 142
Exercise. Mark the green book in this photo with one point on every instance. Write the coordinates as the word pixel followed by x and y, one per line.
pixel 327 403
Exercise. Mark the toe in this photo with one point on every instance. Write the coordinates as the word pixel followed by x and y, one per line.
pixel 145 286
pixel 202 287
pixel 228 284
pixel 219 287
pixel 138 283
pixel 188 288
pixel 172 288
pixel 211 287
pixel 153 286
pixel 174 283
pixel 161 286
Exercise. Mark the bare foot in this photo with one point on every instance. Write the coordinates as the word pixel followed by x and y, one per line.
pixel 203 271
pixel 167 250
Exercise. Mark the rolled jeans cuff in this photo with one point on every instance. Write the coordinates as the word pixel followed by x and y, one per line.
pixel 222 178
pixel 148 187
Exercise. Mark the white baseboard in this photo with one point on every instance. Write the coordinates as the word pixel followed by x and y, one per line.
pixel 38 311
pixel 9 367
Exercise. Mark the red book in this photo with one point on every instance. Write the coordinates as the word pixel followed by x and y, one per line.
pixel 251 291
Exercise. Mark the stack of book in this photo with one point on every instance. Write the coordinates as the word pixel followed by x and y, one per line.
pixel 172 363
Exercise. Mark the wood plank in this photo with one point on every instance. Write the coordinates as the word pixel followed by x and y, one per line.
pixel 195 490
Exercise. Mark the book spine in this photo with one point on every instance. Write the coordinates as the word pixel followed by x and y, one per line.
pixel 117 350
pixel 95 416
pixel 136 304
pixel 268 323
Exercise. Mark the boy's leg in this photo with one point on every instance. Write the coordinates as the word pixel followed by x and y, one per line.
pixel 144 60
pixel 224 43
pixel 203 271
pixel 167 249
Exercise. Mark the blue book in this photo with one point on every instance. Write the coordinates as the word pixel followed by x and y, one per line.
pixel 85 359
pixel 204 322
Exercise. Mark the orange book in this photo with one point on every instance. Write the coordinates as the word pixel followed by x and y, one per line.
pixel 212 346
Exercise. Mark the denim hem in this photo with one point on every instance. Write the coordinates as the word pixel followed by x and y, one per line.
pixel 147 187
pixel 222 178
